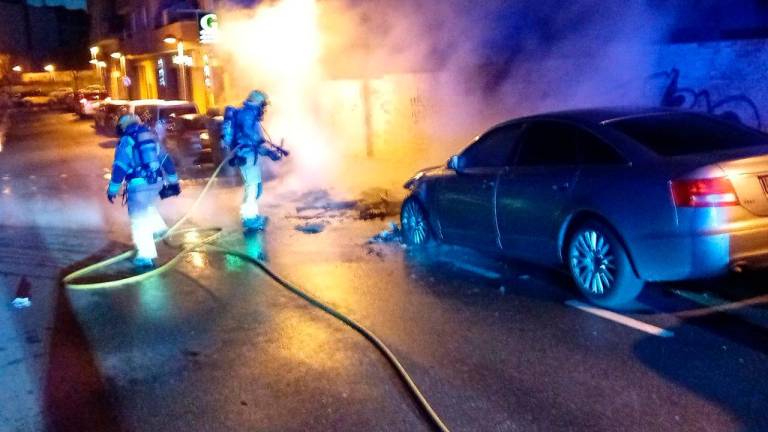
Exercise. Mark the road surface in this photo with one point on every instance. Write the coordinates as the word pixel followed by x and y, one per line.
pixel 216 345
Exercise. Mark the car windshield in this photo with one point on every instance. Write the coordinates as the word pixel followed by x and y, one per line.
pixel 112 108
pixel 176 111
pixel 679 134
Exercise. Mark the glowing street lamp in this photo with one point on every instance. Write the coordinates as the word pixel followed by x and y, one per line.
pixel 17 68
pixel 94 50
pixel 181 60
pixel 49 68
pixel 119 56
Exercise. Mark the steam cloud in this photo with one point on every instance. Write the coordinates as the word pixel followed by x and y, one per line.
pixel 414 80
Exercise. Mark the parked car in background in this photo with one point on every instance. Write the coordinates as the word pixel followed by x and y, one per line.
pixel 36 101
pixel 60 96
pixel 20 93
pixel 618 197
pixel 87 101
pixel 188 134
pixel 151 111
pixel 106 116
pixel 160 114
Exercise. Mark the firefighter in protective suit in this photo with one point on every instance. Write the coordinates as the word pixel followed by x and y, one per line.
pixel 148 173
pixel 242 132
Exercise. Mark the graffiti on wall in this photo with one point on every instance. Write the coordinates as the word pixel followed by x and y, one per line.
pixel 738 107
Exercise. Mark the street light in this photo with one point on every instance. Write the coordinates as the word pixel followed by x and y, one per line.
pixel 94 51
pixel 119 56
pixel 180 60
pixel 16 68
pixel 49 68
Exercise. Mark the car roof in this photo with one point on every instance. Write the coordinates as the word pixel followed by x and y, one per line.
pixel 600 115
pixel 173 103
pixel 146 102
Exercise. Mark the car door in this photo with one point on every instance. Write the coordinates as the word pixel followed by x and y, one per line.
pixel 466 199
pixel 534 191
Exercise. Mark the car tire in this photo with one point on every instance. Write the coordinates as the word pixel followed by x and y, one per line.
pixel 414 223
pixel 600 266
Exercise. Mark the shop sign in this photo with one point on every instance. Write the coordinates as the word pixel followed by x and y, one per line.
pixel 208 25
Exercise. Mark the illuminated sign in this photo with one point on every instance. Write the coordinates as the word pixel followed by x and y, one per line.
pixel 207 76
pixel 161 72
pixel 209 28
pixel 185 60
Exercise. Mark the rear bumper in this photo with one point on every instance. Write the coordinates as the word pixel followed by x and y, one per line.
pixel 702 255
pixel 749 249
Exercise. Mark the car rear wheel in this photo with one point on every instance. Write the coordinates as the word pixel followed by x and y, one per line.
pixel 413 220
pixel 600 266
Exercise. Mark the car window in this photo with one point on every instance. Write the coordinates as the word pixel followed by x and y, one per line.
pixel 146 113
pixel 112 109
pixel 556 143
pixel 678 134
pixel 595 151
pixel 493 149
pixel 548 143
pixel 177 111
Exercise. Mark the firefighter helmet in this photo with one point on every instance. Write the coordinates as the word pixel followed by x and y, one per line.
pixel 257 98
pixel 126 120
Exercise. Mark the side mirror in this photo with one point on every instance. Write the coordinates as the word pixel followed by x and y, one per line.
pixel 454 163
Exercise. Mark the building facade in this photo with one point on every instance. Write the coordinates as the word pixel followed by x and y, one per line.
pixel 37 36
pixel 152 49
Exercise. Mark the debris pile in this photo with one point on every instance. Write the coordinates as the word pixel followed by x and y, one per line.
pixel 376 203
pixel 311 227
pixel 390 235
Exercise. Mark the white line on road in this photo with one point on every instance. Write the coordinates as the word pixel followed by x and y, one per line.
pixel 715 304
pixel 621 319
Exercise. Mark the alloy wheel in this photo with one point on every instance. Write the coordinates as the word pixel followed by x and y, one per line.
pixel 414 223
pixel 593 262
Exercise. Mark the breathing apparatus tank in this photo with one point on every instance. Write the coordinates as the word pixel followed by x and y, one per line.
pixel 146 153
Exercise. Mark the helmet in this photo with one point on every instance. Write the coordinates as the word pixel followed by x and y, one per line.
pixel 126 120
pixel 257 98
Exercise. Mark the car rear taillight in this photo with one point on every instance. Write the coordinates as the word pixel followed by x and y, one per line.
pixel 707 192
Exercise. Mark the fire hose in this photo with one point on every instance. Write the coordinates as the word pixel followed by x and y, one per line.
pixel 206 241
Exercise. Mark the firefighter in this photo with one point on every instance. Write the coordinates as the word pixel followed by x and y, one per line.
pixel 148 173
pixel 242 132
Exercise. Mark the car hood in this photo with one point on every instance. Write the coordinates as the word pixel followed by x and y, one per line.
pixel 423 174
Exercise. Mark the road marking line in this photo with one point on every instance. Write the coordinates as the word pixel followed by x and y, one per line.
pixel 621 319
pixel 715 304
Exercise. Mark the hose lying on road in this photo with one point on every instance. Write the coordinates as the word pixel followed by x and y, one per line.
pixel 206 241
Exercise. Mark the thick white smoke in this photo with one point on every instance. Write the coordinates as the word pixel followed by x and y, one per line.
pixel 410 82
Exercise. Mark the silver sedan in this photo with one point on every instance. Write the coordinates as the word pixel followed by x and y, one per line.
pixel 616 196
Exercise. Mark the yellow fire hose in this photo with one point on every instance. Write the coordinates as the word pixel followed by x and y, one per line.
pixel 207 242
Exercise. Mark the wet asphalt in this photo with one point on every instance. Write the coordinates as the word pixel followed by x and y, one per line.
pixel 216 345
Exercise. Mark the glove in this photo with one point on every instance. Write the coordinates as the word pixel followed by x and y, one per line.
pixel 271 153
pixel 275 156
pixel 112 191
pixel 169 190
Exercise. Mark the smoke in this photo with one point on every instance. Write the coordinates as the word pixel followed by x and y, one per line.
pixel 411 81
